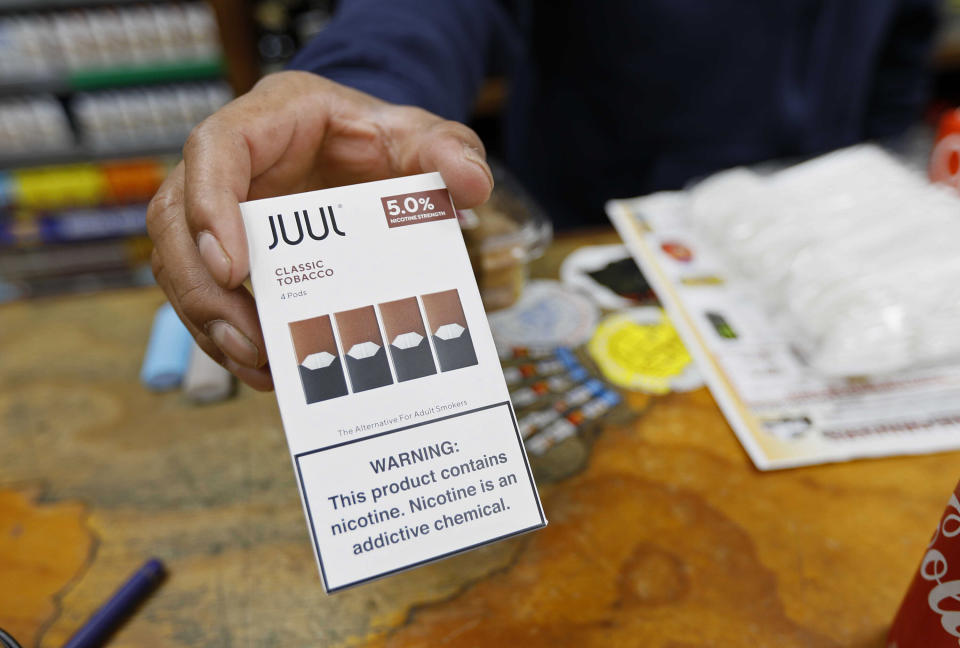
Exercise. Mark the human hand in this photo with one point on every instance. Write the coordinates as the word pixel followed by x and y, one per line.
pixel 293 132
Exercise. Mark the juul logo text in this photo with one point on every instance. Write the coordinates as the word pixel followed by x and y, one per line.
pixel 303 227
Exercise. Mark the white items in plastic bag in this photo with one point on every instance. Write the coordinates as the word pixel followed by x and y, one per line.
pixel 857 256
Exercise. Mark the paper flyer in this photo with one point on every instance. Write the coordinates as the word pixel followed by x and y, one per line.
pixel 397 416
pixel 784 413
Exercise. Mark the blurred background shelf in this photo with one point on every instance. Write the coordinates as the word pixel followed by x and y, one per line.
pixel 47 5
pixel 96 100
pixel 87 154
pixel 95 79
pixel 138 75
pixel 55 84
pixel 115 77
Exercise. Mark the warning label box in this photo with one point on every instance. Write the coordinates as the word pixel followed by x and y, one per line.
pixel 403 497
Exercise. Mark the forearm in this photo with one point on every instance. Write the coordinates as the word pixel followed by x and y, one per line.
pixel 429 53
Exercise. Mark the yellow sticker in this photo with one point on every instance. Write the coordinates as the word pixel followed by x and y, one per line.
pixel 639 349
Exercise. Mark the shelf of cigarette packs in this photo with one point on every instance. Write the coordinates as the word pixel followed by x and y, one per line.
pixel 106 82
pixel 560 402
pixel 96 100
pixel 76 228
pixel 103 125
pixel 63 51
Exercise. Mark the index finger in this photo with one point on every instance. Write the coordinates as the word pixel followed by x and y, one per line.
pixel 221 157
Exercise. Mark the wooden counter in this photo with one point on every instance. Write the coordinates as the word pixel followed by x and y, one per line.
pixel 667 538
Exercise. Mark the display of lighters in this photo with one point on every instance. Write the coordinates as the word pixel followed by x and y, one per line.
pixel 575 397
pixel 561 359
pixel 556 384
pixel 580 394
pixel 536 420
pixel 567 426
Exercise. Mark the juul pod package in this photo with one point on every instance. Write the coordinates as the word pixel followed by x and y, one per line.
pixel 398 419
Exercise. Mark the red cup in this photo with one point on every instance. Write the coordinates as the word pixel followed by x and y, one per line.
pixel 945 158
pixel 929 616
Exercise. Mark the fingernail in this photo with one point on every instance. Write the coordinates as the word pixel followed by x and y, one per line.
pixel 235 344
pixel 476 157
pixel 216 260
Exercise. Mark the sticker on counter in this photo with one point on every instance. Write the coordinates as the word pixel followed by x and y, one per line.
pixel 547 315
pixel 640 350
pixel 608 274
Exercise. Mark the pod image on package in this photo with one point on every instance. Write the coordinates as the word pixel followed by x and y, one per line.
pixel 366 358
pixel 318 359
pixel 448 326
pixel 407 339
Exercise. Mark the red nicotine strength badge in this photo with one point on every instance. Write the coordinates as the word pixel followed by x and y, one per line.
pixel 417 207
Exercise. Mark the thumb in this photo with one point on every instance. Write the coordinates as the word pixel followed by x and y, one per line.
pixel 452 149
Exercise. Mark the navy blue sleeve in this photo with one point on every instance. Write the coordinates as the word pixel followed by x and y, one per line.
pixel 428 53
pixel 904 70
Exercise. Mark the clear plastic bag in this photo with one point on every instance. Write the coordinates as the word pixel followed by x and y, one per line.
pixel 856 256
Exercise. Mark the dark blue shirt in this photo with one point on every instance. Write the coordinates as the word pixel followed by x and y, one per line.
pixel 616 98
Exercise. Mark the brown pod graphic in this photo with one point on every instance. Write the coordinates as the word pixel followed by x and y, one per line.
pixel 363 347
pixel 449 330
pixel 407 339
pixel 321 370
